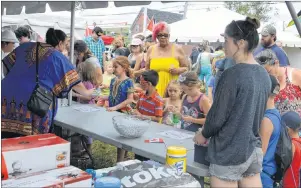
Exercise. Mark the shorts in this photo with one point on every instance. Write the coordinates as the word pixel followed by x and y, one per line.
pixel 249 168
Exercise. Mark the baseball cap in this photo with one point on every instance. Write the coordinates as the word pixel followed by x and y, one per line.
pixel 268 30
pixel 292 120
pixel 136 42
pixel 266 56
pixel 8 36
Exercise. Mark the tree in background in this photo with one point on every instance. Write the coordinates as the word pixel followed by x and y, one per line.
pixel 256 9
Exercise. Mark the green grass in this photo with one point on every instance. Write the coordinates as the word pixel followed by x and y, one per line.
pixel 105 156
pixel 207 180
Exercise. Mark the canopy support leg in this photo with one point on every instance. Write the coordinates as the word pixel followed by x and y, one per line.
pixel 294 16
pixel 71 44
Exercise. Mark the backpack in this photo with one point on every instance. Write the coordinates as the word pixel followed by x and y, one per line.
pixel 283 154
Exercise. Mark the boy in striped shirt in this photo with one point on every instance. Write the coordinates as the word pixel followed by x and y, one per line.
pixel 150 103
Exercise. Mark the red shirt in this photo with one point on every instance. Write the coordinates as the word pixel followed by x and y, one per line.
pixel 292 180
pixel 150 105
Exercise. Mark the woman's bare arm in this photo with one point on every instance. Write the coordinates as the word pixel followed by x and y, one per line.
pixel 148 57
pixel 182 60
pixel 297 77
pixel 266 130
pixel 137 69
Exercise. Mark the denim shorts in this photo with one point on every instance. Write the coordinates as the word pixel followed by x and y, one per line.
pixel 249 168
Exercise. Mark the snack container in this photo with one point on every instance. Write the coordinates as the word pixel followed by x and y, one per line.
pixel 63 177
pixel 176 158
pixel 30 154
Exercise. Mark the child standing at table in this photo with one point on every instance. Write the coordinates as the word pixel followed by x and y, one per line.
pixel 150 103
pixel 121 91
pixel 172 102
pixel 91 77
pixel 107 77
pixel 195 104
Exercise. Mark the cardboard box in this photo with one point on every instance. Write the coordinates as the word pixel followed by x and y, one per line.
pixel 30 154
pixel 63 177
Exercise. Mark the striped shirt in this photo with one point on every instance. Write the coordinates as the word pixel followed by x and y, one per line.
pixel 96 47
pixel 150 105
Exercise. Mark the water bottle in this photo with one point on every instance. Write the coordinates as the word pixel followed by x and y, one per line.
pixel 107 182
pixel 176 121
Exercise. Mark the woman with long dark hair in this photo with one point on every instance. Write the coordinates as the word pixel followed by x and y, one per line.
pixel 56 74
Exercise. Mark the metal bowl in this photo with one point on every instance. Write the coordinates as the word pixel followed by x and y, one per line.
pixel 131 126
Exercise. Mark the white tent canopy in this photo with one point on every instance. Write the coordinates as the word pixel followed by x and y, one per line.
pixel 209 26
pixel 205 25
pixel 40 22
pixel 42 25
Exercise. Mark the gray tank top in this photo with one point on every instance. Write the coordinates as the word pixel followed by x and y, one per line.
pixel 193 110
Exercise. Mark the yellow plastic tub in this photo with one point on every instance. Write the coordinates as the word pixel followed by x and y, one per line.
pixel 176 157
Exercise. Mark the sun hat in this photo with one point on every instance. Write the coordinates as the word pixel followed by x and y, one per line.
pixel 8 36
pixel 136 42
pixel 266 56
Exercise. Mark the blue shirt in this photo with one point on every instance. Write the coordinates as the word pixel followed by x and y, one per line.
pixel 56 74
pixel 281 55
pixel 125 87
pixel 211 84
pixel 269 163
pixel 96 47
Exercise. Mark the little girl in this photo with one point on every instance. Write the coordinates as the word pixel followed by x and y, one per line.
pixel 195 104
pixel 172 103
pixel 121 91
pixel 107 77
pixel 91 76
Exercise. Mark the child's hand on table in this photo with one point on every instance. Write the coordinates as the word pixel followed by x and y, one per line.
pixel 111 109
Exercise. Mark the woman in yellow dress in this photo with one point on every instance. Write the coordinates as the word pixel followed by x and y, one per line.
pixel 167 59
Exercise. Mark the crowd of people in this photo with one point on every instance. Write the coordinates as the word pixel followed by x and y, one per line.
pixel 236 98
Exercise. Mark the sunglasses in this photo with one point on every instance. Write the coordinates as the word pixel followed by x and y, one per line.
pixel 134 46
pixel 163 35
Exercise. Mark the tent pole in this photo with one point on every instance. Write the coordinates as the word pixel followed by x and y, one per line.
pixel 145 19
pixel 294 16
pixel 185 10
pixel 71 44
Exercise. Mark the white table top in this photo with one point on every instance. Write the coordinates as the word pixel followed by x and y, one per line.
pixel 99 126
